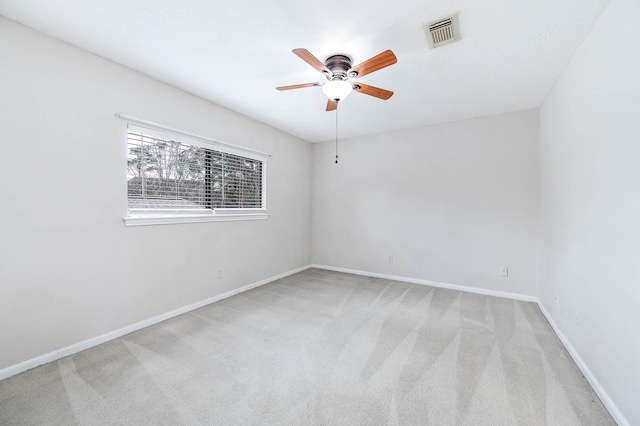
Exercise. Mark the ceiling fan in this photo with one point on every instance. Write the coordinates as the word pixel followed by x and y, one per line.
pixel 338 71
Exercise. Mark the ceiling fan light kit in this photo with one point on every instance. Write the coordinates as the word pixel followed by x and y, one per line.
pixel 337 90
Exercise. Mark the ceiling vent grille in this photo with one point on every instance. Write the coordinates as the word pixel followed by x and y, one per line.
pixel 443 31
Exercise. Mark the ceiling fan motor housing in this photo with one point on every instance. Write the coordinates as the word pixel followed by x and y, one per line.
pixel 339 65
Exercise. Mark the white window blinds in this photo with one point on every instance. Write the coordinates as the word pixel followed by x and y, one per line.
pixel 186 176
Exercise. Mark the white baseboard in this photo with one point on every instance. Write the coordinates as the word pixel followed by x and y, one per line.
pixel 597 387
pixel 516 296
pixel 94 341
pixel 595 384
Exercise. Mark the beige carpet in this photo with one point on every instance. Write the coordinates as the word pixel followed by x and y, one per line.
pixel 320 348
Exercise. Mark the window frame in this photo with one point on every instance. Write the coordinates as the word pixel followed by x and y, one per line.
pixel 140 217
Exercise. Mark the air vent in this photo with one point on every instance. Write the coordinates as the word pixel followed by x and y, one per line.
pixel 443 31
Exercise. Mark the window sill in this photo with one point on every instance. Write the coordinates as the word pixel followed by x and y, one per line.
pixel 144 220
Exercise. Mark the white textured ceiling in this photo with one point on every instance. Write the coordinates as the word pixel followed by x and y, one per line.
pixel 235 53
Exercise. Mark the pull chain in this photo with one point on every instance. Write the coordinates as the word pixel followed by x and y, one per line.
pixel 337 131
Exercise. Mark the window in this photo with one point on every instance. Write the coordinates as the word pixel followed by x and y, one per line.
pixel 174 178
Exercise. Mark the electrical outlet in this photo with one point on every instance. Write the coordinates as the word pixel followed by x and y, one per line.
pixel 576 317
pixel 555 298
pixel 504 271
pixel 220 273
pixel 391 259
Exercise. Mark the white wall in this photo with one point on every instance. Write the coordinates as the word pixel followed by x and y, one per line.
pixel 590 204
pixel 452 203
pixel 69 269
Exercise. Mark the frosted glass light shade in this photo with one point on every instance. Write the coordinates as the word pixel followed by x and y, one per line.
pixel 337 89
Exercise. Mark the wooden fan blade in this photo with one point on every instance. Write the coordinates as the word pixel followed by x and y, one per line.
pixel 331 105
pixel 372 91
pixel 297 86
pixel 376 63
pixel 306 56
